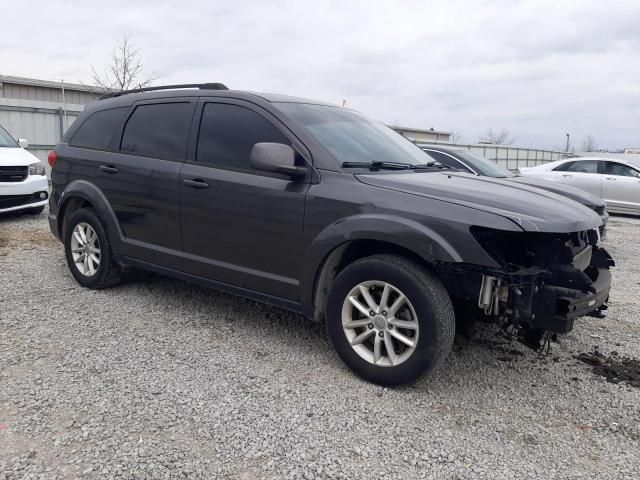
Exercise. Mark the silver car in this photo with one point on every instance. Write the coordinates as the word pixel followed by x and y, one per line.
pixel 616 181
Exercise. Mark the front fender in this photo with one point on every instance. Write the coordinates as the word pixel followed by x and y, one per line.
pixel 402 232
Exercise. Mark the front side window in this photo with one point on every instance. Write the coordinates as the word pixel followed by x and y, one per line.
pixel 580 166
pixel 615 168
pixel 351 137
pixel 158 130
pixel 7 140
pixel 229 132
pixel 97 130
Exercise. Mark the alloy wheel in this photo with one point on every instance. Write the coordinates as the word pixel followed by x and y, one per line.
pixel 380 323
pixel 85 249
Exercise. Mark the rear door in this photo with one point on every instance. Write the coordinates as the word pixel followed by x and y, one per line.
pixel 621 186
pixel 241 226
pixel 583 174
pixel 140 178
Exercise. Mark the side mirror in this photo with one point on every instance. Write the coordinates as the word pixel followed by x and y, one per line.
pixel 24 143
pixel 276 157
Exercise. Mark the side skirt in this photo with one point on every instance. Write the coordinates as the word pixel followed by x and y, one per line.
pixel 205 282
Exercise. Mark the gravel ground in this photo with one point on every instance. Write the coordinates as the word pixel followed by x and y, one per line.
pixel 160 379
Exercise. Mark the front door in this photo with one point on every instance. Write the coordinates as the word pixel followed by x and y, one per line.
pixel 582 174
pixel 240 226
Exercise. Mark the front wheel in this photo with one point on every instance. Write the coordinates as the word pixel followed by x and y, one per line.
pixel 390 319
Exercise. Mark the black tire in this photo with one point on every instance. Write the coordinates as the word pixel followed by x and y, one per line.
pixel 432 305
pixel 108 272
pixel 35 210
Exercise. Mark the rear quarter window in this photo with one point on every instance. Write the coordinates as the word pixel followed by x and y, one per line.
pixel 97 130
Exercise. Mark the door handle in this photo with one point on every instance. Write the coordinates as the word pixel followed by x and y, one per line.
pixel 610 178
pixel 108 169
pixel 196 183
pixel 567 175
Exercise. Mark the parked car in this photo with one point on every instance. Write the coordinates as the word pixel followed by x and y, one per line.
pixel 465 160
pixel 616 181
pixel 23 178
pixel 317 209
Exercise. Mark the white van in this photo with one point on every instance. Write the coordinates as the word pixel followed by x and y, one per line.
pixel 23 178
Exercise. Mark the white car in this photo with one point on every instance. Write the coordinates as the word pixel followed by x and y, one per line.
pixel 616 181
pixel 23 178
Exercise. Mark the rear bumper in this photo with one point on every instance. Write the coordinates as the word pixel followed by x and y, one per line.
pixel 556 308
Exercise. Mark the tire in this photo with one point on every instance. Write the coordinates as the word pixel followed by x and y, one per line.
pixel 105 272
pixel 36 210
pixel 427 304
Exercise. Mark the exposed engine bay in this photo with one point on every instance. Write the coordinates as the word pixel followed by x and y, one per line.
pixel 543 283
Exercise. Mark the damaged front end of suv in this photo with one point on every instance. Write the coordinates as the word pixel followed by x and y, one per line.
pixel 543 282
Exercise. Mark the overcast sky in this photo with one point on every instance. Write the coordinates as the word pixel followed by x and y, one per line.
pixel 538 68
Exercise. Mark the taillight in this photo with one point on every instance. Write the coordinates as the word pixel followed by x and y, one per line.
pixel 52 158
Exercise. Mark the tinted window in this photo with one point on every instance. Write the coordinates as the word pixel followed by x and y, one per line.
pixel 615 168
pixel 445 159
pixel 97 130
pixel 229 132
pixel 158 130
pixel 584 166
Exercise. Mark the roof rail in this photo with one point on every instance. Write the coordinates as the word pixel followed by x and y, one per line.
pixel 201 86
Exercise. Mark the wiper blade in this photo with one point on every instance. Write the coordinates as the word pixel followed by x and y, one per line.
pixel 377 164
pixel 429 165
pixel 395 165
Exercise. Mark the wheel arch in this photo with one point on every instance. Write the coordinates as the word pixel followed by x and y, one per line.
pixel 83 194
pixel 344 242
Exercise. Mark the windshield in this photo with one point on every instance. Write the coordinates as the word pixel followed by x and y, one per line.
pixel 7 140
pixel 483 165
pixel 351 137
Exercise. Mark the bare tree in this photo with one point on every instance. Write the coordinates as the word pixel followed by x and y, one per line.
pixel 124 70
pixel 456 136
pixel 503 137
pixel 589 144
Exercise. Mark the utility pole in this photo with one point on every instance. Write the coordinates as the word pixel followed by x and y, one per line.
pixel 567 147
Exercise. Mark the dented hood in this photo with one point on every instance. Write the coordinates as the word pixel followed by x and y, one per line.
pixel 533 209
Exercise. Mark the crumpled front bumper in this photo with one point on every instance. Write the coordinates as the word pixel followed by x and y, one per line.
pixel 556 308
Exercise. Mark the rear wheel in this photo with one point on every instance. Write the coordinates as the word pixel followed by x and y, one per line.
pixel 88 251
pixel 390 319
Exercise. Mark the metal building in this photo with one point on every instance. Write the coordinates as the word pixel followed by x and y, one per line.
pixel 420 135
pixel 40 111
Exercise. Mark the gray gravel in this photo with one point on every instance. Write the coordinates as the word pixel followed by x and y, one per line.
pixel 160 379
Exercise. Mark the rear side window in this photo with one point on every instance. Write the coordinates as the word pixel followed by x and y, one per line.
pixel 583 166
pixel 229 132
pixel 158 130
pixel 97 130
pixel 615 168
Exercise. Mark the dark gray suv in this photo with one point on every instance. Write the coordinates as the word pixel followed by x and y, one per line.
pixel 317 209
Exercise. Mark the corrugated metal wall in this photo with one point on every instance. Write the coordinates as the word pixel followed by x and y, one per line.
pixel 46 94
pixel 34 110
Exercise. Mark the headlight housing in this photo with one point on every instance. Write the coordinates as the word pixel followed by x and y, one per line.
pixel 37 169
